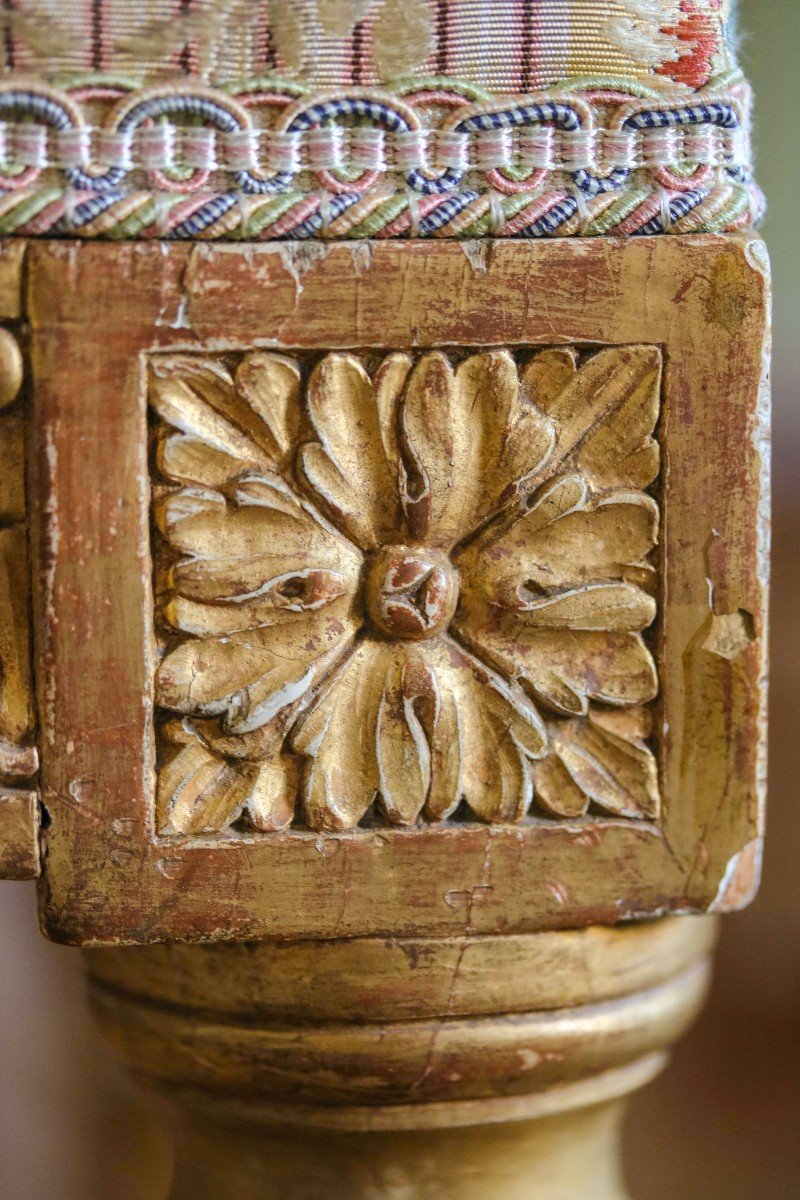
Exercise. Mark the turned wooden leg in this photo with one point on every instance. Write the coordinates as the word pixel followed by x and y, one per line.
pixel 562 1157
pixel 484 1069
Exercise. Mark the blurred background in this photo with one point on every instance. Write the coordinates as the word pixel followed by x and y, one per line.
pixel 723 1123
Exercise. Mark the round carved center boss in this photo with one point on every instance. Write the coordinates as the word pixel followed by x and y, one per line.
pixel 411 592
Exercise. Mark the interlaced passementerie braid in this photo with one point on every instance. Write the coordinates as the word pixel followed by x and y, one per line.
pixel 439 159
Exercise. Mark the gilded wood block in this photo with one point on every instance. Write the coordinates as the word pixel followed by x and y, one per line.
pixel 19 833
pixel 19 812
pixel 416 587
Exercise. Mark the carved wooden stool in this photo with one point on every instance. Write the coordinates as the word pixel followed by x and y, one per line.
pixel 383 586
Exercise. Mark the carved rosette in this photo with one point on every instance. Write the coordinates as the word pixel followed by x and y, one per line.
pixel 405 588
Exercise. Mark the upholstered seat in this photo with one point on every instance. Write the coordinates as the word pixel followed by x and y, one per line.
pixel 372 118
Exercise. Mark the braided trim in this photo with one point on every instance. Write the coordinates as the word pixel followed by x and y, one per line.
pixel 187 161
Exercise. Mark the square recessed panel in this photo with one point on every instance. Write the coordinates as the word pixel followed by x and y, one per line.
pixel 406 593
pixel 395 589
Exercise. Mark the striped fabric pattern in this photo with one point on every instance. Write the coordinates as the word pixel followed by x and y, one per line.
pixel 257 119
pixel 503 46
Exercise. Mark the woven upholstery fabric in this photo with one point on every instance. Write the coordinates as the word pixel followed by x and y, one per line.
pixel 353 118
pixel 503 45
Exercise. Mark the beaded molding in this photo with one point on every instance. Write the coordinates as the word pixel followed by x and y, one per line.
pixel 188 161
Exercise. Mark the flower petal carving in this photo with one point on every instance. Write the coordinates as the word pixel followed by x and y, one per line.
pixel 605 414
pixel 219 426
pixel 609 606
pixel 471 442
pixel 199 791
pixel 270 384
pixel 340 786
pixel 565 538
pixel 565 668
pixel 424 727
pixel 200 399
pixel 232 546
pixel 601 761
pixel 498 732
pixel 402 751
pixel 282 566
pixel 349 469
pixel 245 678
pixel 389 589
pixel 379 705
pixel 547 374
